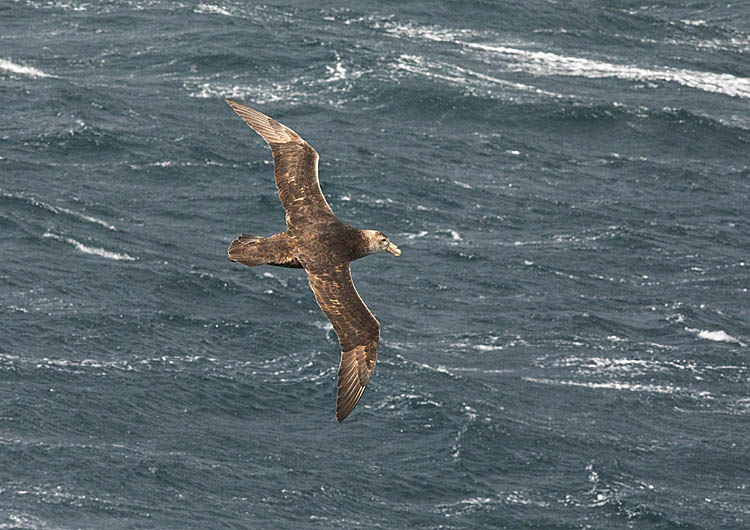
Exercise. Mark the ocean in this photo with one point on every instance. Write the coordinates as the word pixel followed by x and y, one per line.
pixel 564 339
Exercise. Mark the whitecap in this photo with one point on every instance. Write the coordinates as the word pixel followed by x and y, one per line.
pixel 82 364
pixel 85 217
pixel 420 234
pixel 23 520
pixel 716 336
pixel 546 64
pixel 15 68
pixel 549 64
pixel 261 95
pixel 337 73
pixel 90 250
pixel 439 368
pixel 610 385
pixel 458 75
pixel 211 9
pixel 488 347
pixel 282 281
pixel 323 324
pixel 58 209
pixel 465 505
pixel 699 22
pixel 455 236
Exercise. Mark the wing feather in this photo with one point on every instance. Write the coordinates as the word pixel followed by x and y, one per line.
pixel 357 329
pixel 295 167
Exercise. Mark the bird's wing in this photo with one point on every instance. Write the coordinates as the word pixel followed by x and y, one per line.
pixel 356 327
pixel 295 167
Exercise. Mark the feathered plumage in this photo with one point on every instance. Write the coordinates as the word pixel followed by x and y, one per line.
pixel 318 241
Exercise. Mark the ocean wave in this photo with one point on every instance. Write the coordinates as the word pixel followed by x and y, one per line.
pixel 470 415
pixel 615 385
pixel 472 504
pixel 405 400
pixel 212 10
pixel 90 250
pixel 58 4
pixel 545 64
pixel 470 80
pixel 716 336
pixel 328 85
pixel 57 209
pixel 78 366
pixel 23 520
pixel 89 218
pixel 626 365
pixel 28 71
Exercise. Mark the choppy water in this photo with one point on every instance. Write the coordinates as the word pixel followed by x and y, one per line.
pixel 565 337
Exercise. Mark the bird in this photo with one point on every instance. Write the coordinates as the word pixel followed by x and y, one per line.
pixel 317 241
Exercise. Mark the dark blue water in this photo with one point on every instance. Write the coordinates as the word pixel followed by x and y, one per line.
pixel 564 339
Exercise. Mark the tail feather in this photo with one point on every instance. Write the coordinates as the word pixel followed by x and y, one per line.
pixel 256 250
pixel 245 250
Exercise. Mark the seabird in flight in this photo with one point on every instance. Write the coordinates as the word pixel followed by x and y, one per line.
pixel 316 240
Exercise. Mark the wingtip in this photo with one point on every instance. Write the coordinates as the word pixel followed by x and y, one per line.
pixel 341 415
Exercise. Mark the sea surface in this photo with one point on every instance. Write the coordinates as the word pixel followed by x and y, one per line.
pixel 565 338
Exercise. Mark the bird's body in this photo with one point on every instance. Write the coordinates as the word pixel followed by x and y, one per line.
pixel 316 240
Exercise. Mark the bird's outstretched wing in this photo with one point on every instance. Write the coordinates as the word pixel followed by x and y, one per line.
pixel 356 327
pixel 295 167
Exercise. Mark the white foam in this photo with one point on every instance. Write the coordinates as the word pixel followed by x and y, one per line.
pixel 466 505
pixel 622 365
pixel 458 75
pixel 325 325
pixel 488 347
pixel 260 95
pixel 23 520
pixel 716 336
pixel 547 63
pixel 317 86
pixel 85 217
pixel 337 73
pixel 82 364
pixel 59 209
pixel 212 9
pixel 610 385
pixel 439 368
pixel 90 250
pixel 15 68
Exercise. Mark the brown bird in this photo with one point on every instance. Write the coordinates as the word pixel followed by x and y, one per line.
pixel 316 240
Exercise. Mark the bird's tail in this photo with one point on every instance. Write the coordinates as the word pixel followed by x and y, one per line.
pixel 245 249
pixel 255 250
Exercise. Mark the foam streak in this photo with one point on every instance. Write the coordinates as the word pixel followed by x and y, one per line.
pixel 90 250
pixel 15 68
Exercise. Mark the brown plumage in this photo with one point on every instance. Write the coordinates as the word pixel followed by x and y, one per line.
pixel 318 241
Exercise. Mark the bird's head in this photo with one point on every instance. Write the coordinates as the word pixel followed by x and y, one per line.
pixel 378 242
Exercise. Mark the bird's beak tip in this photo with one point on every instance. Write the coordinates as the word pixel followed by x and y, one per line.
pixel 393 249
